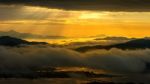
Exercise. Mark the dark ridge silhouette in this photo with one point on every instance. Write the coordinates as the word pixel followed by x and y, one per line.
pixel 12 41
pixel 133 44
pixel 16 34
pixel 115 38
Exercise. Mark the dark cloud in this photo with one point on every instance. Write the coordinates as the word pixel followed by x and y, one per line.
pixel 9 13
pixel 103 5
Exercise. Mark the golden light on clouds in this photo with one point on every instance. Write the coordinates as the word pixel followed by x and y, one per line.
pixel 76 23
pixel 92 15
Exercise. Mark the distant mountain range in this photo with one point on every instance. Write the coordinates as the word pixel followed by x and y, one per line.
pixel 133 44
pixel 115 38
pixel 28 35
pixel 12 41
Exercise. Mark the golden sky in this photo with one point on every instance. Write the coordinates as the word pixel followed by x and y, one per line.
pixel 46 21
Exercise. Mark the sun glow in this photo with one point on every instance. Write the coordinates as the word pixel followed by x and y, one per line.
pixel 92 15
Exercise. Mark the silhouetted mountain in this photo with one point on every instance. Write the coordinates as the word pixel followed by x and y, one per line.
pixel 11 41
pixel 133 44
pixel 28 35
pixel 115 38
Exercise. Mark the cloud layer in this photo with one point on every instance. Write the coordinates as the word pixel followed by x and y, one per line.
pixel 103 5
pixel 114 60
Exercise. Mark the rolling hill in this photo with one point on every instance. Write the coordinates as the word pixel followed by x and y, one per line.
pixel 133 44
pixel 12 41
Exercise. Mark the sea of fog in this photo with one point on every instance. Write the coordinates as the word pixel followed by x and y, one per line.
pixel 132 65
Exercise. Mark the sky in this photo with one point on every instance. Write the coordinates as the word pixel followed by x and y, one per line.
pixel 77 18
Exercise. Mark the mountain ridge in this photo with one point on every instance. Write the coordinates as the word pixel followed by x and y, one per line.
pixel 16 34
pixel 12 41
pixel 133 44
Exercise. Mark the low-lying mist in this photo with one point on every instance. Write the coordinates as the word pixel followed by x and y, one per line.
pixel 21 59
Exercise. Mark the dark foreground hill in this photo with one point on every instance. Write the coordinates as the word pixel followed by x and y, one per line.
pixel 12 41
pixel 133 44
